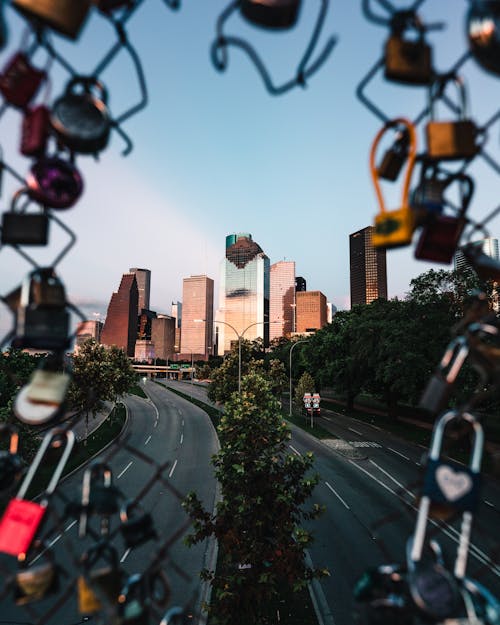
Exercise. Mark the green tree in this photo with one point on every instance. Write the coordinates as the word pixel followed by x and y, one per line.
pixel 277 376
pixel 257 522
pixel 99 374
pixel 304 385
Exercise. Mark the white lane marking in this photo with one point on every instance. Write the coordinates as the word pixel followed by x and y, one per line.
pixel 70 525
pixel 337 495
pixel 392 478
pixel 295 451
pixel 124 556
pixel 375 426
pixel 356 431
pixel 182 437
pixel 127 467
pixel 155 424
pixel 398 453
pixel 418 464
pixel 488 503
pixel 148 439
pixel 451 532
pixel 182 423
pixel 172 469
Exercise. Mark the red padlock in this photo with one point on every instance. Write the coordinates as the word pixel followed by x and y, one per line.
pixel 22 518
pixel 20 81
pixel 35 131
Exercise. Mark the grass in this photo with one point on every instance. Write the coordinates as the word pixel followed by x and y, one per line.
pixel 109 429
pixel 305 424
pixel 137 390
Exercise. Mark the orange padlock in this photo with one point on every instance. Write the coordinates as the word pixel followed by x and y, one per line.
pixel 394 228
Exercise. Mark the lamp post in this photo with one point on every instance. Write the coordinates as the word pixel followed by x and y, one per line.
pixel 240 336
pixel 291 389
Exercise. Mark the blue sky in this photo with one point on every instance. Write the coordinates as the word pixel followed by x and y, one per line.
pixel 215 154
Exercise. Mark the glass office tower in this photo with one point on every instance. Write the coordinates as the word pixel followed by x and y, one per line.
pixel 243 292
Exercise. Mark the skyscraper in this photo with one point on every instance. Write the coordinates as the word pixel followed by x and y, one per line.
pixel 177 315
pixel 282 299
pixel 143 278
pixel 120 327
pixel 243 292
pixel 368 268
pixel 489 246
pixel 300 284
pixel 163 336
pixel 311 311
pixel 197 316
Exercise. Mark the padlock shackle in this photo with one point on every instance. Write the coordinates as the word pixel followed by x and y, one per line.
pixel 412 153
pixel 437 89
pixel 456 353
pixel 438 433
pixel 47 442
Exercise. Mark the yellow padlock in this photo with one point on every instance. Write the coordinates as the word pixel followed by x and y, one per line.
pixel 88 603
pixel 66 17
pixel 394 228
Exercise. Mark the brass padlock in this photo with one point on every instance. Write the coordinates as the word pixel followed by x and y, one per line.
pixel 99 587
pixel 407 60
pixel 450 485
pixel 276 14
pixel 394 228
pixel 455 139
pixel 66 17
pixel 34 582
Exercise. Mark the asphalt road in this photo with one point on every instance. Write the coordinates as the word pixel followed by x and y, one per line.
pixel 167 429
pixel 370 509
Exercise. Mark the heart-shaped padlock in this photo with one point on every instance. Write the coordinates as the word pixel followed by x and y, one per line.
pixel 54 182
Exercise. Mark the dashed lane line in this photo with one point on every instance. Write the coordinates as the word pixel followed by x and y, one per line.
pixel 394 451
pixel 124 556
pixel 392 478
pixel 182 437
pixel 355 431
pixel 148 439
pixel 295 451
pixel 337 495
pixel 173 468
pixel 125 469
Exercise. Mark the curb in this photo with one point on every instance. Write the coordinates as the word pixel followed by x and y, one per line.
pixel 318 599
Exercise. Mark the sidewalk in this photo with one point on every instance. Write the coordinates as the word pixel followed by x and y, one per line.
pixel 78 426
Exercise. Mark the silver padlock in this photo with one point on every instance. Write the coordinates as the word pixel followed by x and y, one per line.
pixel 453 485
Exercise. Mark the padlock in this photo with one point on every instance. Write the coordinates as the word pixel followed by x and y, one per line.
pixel 80 118
pixel 175 616
pixel 427 198
pixel 66 17
pixel 34 582
pixel 20 81
pixel 449 484
pixel 21 228
pixel 434 590
pixel 54 182
pixel 11 463
pixel 440 234
pixel 394 228
pixel 483 31
pixel 99 497
pixel 136 530
pixel 451 140
pixel 438 390
pixel 275 14
pixel 485 606
pixel 34 131
pixel 42 319
pixel 406 60
pixel 99 587
pixel 134 605
pixel 394 158
pixel 22 518
pixel 42 398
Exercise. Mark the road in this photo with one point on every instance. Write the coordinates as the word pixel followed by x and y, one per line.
pixel 165 428
pixel 366 520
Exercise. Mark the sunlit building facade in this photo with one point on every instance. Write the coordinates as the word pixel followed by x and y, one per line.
pixel 281 299
pixel 368 269
pixel 120 327
pixel 86 330
pixel 243 292
pixel 197 316
pixel 311 311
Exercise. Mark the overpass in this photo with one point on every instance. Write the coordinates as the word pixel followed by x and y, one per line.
pixel 172 372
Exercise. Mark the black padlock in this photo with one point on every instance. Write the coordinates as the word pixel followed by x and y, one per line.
pixel 395 157
pixel 99 587
pixel 276 14
pixel 11 463
pixel 381 596
pixel 134 605
pixel 99 496
pixel 21 228
pixel 483 31
pixel 407 61
pixel 136 530
pixel 42 320
pixel 438 390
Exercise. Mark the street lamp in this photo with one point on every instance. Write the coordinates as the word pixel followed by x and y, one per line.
pixel 291 350
pixel 240 336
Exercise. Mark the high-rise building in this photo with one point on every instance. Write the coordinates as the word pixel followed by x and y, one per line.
pixel 177 315
pixel 243 292
pixel 489 246
pixel 143 278
pixel 331 309
pixel 281 299
pixel 163 336
pixel 197 316
pixel 300 284
pixel 368 268
pixel 311 311
pixel 86 330
pixel 120 327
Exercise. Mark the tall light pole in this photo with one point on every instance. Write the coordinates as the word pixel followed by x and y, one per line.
pixel 291 389
pixel 240 336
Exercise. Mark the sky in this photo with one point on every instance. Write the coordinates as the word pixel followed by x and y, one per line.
pixel 214 153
